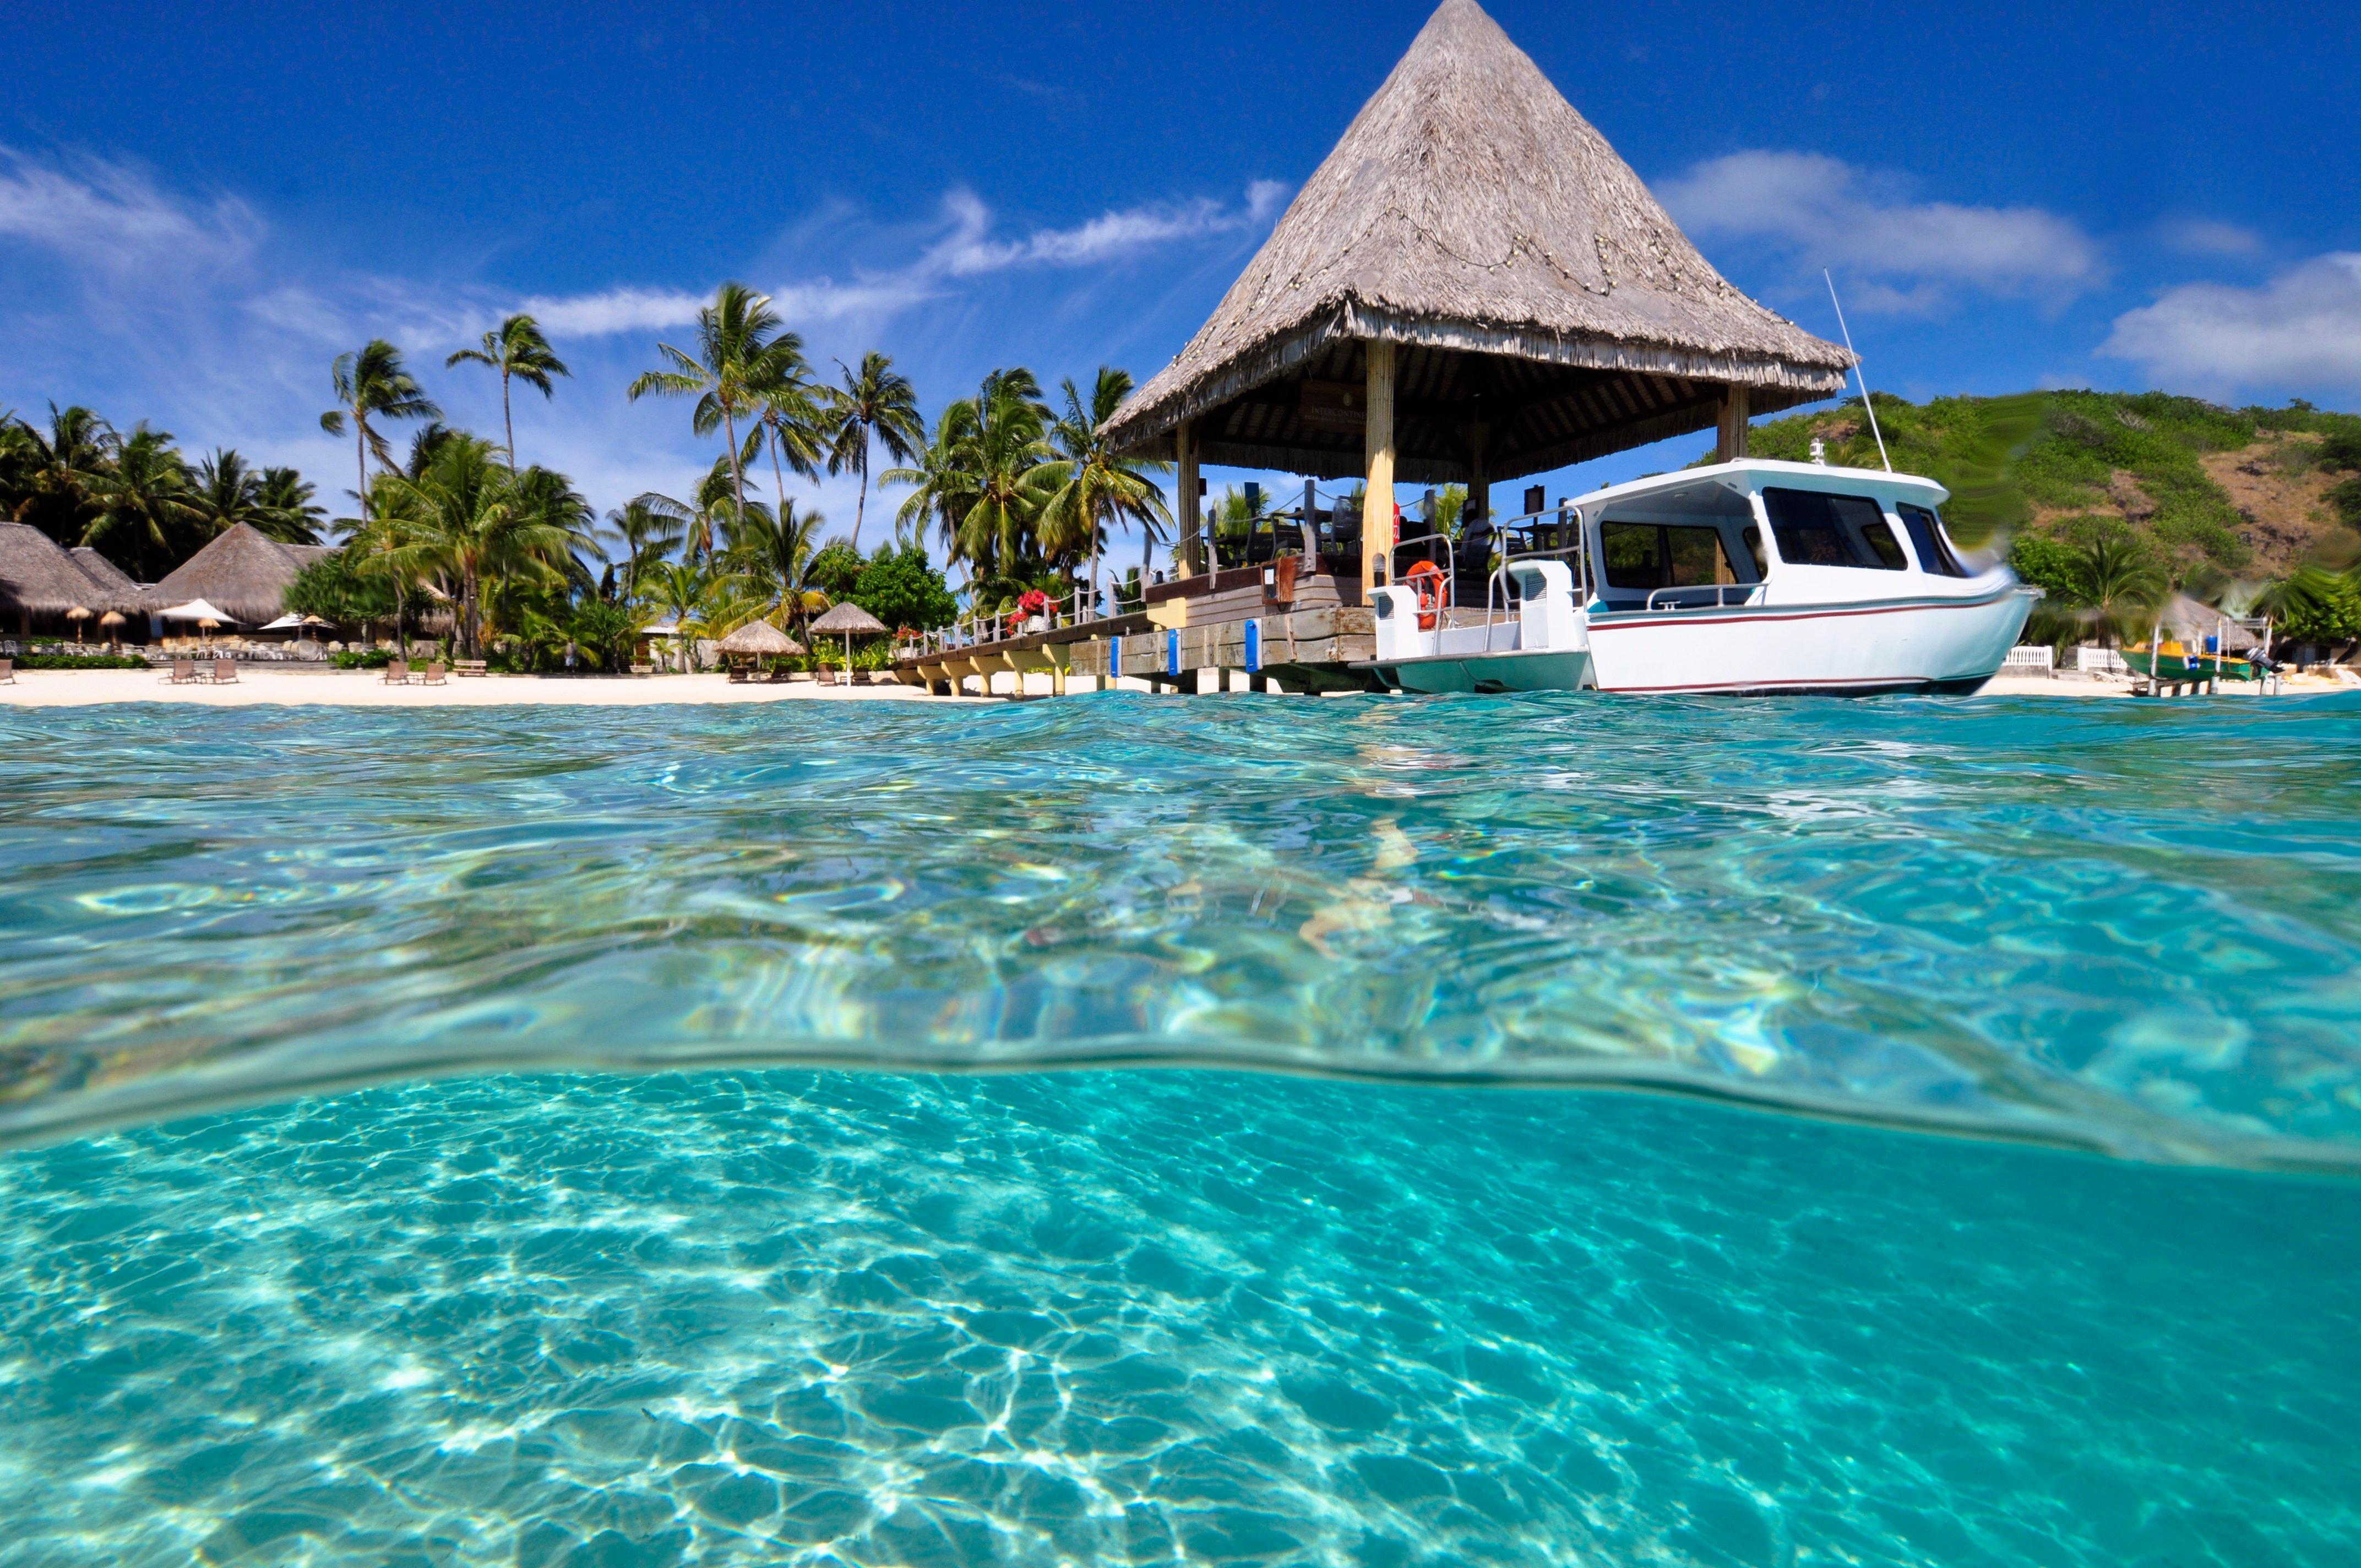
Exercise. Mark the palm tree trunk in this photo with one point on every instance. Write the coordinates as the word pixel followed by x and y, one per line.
pixel 860 506
pixel 508 420
pixel 360 464
pixel 778 478
pixel 737 474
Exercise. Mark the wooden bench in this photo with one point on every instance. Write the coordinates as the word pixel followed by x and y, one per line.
pixel 469 667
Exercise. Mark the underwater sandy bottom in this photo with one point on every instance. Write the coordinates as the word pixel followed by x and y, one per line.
pixel 1155 1317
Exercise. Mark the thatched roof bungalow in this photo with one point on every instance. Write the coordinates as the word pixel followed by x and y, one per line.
pixel 127 594
pixel 243 570
pixel 41 581
pixel 1472 286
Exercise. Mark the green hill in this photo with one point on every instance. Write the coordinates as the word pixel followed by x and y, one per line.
pixel 2253 493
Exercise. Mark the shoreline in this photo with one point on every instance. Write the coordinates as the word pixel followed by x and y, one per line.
pixel 265 685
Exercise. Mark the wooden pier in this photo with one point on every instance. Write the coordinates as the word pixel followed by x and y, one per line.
pixel 1228 621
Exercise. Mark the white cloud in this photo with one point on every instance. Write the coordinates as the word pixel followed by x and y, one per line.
pixel 2302 329
pixel 1906 255
pixel 969 248
pixel 966 248
pixel 2206 237
pixel 112 214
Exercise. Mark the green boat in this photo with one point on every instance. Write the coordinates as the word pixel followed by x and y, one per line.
pixel 2177 663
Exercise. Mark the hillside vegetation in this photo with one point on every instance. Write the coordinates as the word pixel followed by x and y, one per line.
pixel 2111 499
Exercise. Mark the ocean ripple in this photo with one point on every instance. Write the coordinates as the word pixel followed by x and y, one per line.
pixel 2127 928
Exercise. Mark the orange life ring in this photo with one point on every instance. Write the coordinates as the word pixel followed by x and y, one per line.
pixel 1426 577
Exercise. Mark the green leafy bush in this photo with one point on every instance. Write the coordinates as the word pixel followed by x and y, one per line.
pixel 81 662
pixel 373 659
pixel 901 587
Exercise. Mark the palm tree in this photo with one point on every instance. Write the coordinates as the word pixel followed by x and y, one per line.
pixel 517 350
pixel 143 500
pixel 741 359
pixel 646 534
pixel 942 489
pixel 1005 455
pixel 467 516
pixel 288 496
pixel 876 403
pixel 683 588
pixel 1090 487
pixel 50 478
pixel 226 492
pixel 776 554
pixel 372 384
pixel 2120 582
pixel 792 421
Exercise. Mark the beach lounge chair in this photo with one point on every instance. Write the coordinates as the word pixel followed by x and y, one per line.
pixel 7 672
pixel 397 674
pixel 433 674
pixel 225 672
pixel 184 672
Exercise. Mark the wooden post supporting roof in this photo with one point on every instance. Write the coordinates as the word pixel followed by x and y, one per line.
pixel 1378 503
pixel 1479 484
pixel 1729 443
pixel 1186 511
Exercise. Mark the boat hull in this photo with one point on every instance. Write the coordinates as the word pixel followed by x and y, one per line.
pixel 1543 670
pixel 1922 644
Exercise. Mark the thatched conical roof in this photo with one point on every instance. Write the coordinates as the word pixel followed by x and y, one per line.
pixel 850 618
pixel 243 570
pixel 760 638
pixel 114 582
pixel 1472 217
pixel 38 577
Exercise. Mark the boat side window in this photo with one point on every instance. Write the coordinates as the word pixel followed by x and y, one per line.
pixel 1814 528
pixel 1754 548
pixel 1631 555
pixel 1650 555
pixel 1926 531
pixel 1884 546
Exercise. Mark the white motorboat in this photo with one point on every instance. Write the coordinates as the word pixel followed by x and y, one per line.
pixel 1742 578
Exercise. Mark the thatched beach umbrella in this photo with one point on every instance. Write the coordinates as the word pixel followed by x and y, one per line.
pixel 110 623
pixel 759 640
pixel 78 614
pixel 851 621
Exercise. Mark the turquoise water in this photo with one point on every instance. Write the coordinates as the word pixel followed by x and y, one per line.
pixel 2123 927
pixel 1156 1318
pixel 1413 1302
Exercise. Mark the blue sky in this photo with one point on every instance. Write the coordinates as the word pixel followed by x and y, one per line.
pixel 201 206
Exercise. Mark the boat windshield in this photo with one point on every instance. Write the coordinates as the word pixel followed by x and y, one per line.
pixel 1816 529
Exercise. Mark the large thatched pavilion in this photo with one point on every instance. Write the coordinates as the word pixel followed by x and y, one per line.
pixel 241 569
pixel 1472 287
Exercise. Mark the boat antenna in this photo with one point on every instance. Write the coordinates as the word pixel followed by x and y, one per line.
pixel 1856 370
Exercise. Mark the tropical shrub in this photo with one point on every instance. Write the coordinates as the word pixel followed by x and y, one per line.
pixel 81 662
pixel 360 659
pixel 902 588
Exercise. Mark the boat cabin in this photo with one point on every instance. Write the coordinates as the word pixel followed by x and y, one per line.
pixel 1752 532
